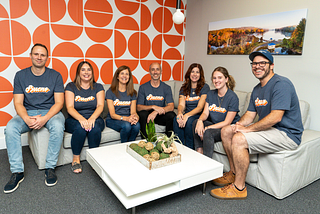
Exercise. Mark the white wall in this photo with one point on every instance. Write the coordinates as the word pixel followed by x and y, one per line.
pixel 303 71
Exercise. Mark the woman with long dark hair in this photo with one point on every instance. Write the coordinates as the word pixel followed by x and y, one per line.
pixel 192 97
pixel 84 101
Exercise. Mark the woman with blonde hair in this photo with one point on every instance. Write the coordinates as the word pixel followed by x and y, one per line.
pixel 221 109
pixel 121 100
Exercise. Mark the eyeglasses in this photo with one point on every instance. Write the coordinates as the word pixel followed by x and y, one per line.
pixel 261 64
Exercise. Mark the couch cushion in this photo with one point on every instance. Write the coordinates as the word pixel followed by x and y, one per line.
pixel 176 93
pixel 244 98
pixel 304 108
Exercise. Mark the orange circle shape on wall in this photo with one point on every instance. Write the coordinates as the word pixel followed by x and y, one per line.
pixel 59 66
pixel 126 7
pixel 157 19
pixel 145 64
pixel 5 92
pixel 67 49
pixel 67 32
pixel 177 71
pixel 98 51
pixel 57 10
pixel 5 42
pixel 74 66
pixel 42 35
pixel 126 23
pixel 172 54
pixel 145 45
pixel 167 20
pixel 106 72
pixel 145 17
pixel 172 3
pixel 98 5
pixel 120 44
pixel 132 64
pixel 5 85
pixel 5 117
pixel 133 45
pixel 179 28
pixel 98 19
pixel 40 9
pixel 166 71
pixel 75 9
pixel 4 63
pixel 98 35
pixel 157 46
pixel 160 2
pixel 3 12
pixel 20 45
pixel 18 8
pixel 172 40
pixel 145 79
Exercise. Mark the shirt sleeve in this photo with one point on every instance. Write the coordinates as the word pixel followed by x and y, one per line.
pixel 109 94
pixel 234 103
pixel 141 96
pixel 205 89
pixel 168 95
pixel 59 88
pixel 281 99
pixel 17 88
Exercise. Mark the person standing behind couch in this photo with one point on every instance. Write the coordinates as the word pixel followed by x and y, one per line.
pixel 84 102
pixel 192 97
pixel 121 100
pixel 38 99
pixel 222 105
pixel 155 101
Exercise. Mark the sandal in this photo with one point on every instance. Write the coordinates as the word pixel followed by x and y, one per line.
pixel 75 166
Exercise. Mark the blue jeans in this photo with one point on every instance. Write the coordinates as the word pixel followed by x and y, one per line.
pixel 185 134
pixel 79 134
pixel 16 126
pixel 127 131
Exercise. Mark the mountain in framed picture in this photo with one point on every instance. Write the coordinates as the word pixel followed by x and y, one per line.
pixel 280 33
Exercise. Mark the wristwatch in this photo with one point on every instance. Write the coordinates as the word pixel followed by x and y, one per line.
pixel 121 118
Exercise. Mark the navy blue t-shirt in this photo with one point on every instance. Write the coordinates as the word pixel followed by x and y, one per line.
pixel 193 99
pixel 230 102
pixel 148 95
pixel 279 94
pixel 85 100
pixel 122 103
pixel 38 91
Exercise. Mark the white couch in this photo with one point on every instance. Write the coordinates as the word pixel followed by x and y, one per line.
pixel 282 173
pixel 279 174
pixel 38 139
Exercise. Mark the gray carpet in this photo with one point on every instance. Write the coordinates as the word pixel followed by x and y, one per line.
pixel 87 193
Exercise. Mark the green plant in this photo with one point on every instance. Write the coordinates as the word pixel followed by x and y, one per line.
pixel 151 132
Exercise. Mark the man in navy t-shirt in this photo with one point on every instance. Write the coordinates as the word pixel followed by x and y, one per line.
pixel 155 101
pixel 38 97
pixel 279 127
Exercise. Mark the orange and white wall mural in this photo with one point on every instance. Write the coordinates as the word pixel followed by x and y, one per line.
pixel 106 33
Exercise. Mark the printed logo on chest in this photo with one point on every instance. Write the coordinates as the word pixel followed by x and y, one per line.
pixel 215 108
pixel 259 102
pixel 32 89
pixel 83 99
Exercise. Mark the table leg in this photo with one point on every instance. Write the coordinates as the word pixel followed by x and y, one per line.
pixel 133 210
pixel 204 188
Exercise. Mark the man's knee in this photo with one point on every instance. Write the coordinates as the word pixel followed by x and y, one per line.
pixel 239 141
pixel 56 123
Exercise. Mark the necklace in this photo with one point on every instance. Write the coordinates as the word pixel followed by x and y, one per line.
pixel 220 100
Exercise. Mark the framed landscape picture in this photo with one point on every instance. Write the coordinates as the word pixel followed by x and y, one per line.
pixel 279 33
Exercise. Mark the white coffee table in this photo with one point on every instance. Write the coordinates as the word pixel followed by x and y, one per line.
pixel 134 184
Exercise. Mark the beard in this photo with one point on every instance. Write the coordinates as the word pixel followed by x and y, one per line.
pixel 266 73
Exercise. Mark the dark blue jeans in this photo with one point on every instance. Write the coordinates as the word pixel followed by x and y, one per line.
pixel 79 134
pixel 185 134
pixel 127 131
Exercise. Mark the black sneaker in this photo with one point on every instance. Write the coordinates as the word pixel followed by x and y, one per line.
pixel 51 178
pixel 13 184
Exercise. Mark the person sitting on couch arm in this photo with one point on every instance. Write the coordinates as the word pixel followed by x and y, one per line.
pixel 121 100
pixel 192 97
pixel 222 107
pixel 84 102
pixel 279 127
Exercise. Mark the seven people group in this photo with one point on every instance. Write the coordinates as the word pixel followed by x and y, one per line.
pixel 204 116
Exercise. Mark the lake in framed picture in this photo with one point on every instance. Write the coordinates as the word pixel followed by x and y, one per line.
pixel 279 33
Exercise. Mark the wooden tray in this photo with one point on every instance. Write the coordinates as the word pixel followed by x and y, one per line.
pixel 154 164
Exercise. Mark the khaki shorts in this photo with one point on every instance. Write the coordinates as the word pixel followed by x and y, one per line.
pixel 269 141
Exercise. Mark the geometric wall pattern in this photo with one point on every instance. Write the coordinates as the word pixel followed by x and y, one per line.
pixel 106 33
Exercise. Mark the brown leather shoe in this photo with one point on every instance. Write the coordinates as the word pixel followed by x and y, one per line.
pixel 226 179
pixel 229 192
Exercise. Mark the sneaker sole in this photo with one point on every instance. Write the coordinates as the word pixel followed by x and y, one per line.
pixel 14 189
pixel 50 185
pixel 223 198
